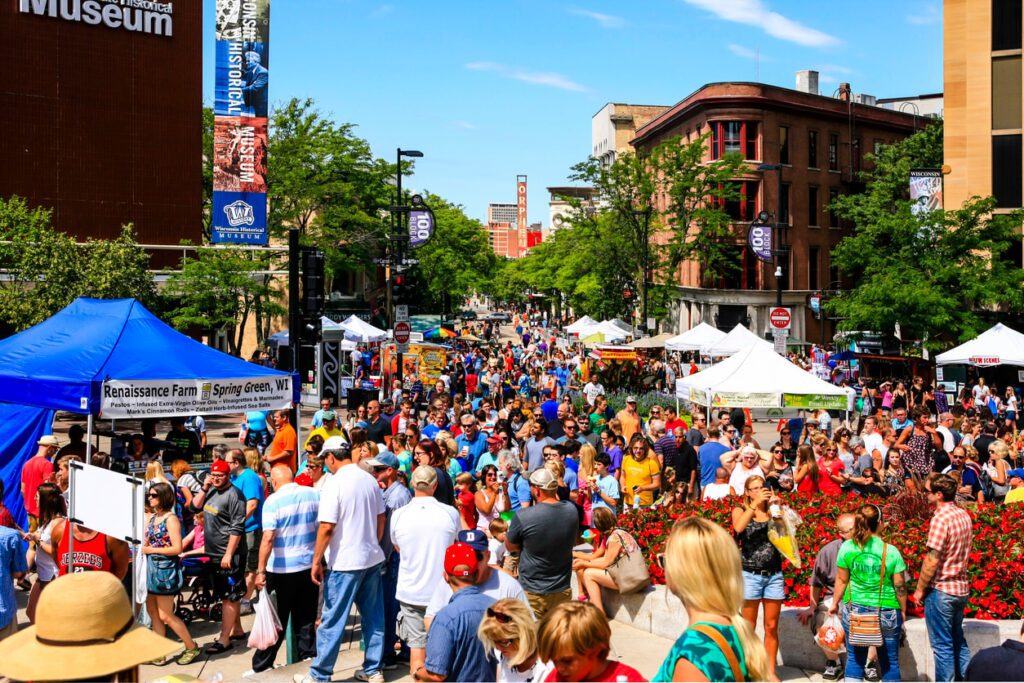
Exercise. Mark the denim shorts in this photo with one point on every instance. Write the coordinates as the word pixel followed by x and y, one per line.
pixel 758 587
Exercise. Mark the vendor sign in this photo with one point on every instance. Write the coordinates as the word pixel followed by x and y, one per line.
pixel 735 398
pixel 617 354
pixel 827 401
pixel 166 398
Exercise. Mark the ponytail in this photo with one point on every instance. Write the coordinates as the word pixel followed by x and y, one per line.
pixel 865 524
pixel 754 654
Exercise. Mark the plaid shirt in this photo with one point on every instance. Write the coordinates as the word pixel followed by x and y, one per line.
pixel 950 536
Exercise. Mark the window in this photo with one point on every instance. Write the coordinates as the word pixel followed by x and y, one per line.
pixel 1006 171
pixel 812 149
pixel 738 137
pixel 833 152
pixel 784 144
pixel 1006 93
pixel 744 207
pixel 1006 22
pixel 784 203
pixel 833 276
pixel 833 217
pixel 812 206
pixel 813 258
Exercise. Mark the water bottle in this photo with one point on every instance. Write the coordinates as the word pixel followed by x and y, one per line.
pixel 636 497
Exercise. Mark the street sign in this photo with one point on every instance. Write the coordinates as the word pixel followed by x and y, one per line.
pixel 410 261
pixel 402 332
pixel 780 337
pixel 401 313
pixel 402 348
pixel 381 260
pixel 780 318
pixel 759 239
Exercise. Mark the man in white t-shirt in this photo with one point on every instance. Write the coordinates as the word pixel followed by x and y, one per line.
pixel 944 428
pixel 873 441
pixel 421 531
pixel 747 466
pixel 593 389
pixel 720 489
pixel 351 525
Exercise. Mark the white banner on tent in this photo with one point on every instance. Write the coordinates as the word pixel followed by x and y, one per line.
pixel 167 398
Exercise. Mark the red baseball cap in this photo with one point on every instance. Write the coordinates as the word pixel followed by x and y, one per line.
pixel 220 467
pixel 460 555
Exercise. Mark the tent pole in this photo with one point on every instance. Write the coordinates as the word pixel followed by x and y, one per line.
pixel 88 438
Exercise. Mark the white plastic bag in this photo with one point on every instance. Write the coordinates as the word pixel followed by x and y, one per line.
pixel 266 626
pixel 830 637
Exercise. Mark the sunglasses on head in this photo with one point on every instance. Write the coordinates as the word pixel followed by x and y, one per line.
pixel 500 616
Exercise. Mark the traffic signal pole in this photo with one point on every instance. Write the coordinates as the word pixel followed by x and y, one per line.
pixel 294 312
pixel 396 242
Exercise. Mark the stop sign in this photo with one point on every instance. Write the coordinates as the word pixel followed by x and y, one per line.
pixel 780 318
pixel 402 331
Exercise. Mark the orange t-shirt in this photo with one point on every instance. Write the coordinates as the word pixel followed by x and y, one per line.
pixel 630 424
pixel 286 440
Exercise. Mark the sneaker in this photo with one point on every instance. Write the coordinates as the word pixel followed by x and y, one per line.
pixel 375 677
pixel 871 672
pixel 303 678
pixel 833 672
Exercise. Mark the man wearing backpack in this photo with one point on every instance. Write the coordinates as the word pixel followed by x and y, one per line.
pixel 971 487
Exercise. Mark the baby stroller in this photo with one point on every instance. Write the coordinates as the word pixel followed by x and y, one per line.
pixel 201 601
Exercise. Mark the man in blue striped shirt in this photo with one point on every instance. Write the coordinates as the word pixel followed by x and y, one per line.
pixel 286 556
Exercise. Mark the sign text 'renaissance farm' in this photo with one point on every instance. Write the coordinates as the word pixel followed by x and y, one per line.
pixel 165 398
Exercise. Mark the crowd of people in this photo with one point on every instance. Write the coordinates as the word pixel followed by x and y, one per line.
pixel 454 520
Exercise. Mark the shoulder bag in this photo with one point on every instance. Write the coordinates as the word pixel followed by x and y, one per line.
pixel 629 571
pixel 723 645
pixel 866 629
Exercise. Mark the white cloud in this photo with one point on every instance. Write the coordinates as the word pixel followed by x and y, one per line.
pixel 549 79
pixel 605 20
pixel 755 13
pixel 929 14
pixel 746 52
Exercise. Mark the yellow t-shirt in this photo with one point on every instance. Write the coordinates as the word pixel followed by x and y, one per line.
pixel 323 433
pixel 1015 496
pixel 639 473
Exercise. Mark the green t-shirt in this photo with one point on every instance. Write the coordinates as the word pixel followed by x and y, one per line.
pixel 703 653
pixel 865 565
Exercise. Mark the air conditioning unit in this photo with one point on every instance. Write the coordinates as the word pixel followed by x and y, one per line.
pixel 868 100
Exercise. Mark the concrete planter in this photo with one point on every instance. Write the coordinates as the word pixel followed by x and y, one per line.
pixel 659 612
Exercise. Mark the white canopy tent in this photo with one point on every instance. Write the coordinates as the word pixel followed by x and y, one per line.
pixel 581 324
pixel 757 377
pixel 358 330
pixel 739 339
pixel 625 327
pixel 655 342
pixel 603 332
pixel 695 339
pixel 1000 345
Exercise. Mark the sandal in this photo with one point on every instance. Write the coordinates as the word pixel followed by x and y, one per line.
pixel 187 657
pixel 216 647
pixel 161 661
pixel 235 639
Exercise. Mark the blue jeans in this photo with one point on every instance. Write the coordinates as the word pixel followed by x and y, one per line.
pixel 341 589
pixel 389 586
pixel 944 616
pixel 888 651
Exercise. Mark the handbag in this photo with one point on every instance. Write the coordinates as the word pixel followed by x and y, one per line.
pixel 163 575
pixel 723 645
pixel 866 629
pixel 629 571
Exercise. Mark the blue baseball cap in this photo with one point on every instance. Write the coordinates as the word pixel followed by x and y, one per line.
pixel 474 538
pixel 1019 472
pixel 384 459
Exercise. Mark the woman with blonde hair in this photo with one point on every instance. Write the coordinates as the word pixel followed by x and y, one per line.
pixel 998 469
pixel 255 463
pixel 576 638
pixel 510 634
pixel 703 569
pixel 585 476
pixel 449 448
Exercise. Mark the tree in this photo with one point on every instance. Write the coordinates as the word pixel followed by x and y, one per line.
pixel 47 270
pixel 937 275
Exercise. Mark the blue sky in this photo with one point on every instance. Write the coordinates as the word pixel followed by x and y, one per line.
pixel 489 89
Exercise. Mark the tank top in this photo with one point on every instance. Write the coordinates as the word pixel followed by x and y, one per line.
pixel 919 458
pixel 46 566
pixel 90 555
pixel 756 550
pixel 483 521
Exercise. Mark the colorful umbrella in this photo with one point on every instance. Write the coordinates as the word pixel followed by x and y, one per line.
pixel 439 333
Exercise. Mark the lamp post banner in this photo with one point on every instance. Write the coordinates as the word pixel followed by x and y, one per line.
pixel 167 398
pixel 759 239
pixel 421 226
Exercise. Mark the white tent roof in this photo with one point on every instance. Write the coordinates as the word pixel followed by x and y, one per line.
pixel 1000 345
pixel 625 327
pixel 581 324
pixel 738 339
pixel 358 330
pixel 655 342
pixel 332 332
pixel 695 339
pixel 757 377
pixel 608 329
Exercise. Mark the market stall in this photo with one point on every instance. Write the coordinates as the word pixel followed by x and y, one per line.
pixel 996 354
pixel 695 338
pixel 358 330
pixel 580 325
pixel 739 339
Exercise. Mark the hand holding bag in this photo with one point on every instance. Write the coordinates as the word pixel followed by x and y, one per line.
pixel 266 627
pixel 866 629
pixel 629 571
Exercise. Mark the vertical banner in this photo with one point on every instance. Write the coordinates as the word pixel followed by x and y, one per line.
pixel 925 190
pixel 522 219
pixel 241 105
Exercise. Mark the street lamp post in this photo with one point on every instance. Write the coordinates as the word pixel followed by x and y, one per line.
pixel 397 244
pixel 645 215
pixel 777 250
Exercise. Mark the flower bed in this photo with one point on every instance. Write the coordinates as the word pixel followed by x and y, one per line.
pixel 995 570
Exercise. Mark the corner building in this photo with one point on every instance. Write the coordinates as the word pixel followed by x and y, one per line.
pixel 102 121
pixel 820 143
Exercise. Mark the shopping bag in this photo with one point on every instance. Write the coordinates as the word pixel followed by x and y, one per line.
pixel 782 535
pixel 266 626
pixel 830 637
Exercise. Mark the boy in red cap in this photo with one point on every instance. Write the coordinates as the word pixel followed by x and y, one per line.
pixel 453 650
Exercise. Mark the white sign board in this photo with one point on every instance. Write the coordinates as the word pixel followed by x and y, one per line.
pixel 167 398
pixel 402 348
pixel 780 337
pixel 107 501
pixel 401 313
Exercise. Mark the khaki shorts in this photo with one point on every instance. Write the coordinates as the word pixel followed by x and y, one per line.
pixel 542 603
pixel 411 627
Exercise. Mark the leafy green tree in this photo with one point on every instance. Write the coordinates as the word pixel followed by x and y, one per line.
pixel 207 172
pixel 47 270
pixel 938 275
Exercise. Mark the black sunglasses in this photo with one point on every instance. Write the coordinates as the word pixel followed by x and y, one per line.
pixel 500 616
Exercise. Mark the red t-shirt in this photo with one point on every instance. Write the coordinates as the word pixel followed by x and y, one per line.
pixel 616 671
pixel 470 384
pixel 468 508
pixel 36 471
pixel 825 483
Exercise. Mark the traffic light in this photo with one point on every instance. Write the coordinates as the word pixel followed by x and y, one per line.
pixel 400 290
pixel 311 303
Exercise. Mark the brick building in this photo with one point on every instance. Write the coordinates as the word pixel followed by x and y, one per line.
pixel 820 143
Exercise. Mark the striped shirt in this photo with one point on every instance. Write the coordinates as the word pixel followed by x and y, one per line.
pixel 291 514
pixel 950 536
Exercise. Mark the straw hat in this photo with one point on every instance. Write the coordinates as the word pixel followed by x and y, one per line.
pixel 84 629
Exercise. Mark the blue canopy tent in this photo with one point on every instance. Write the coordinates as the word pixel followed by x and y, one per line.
pixel 116 359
